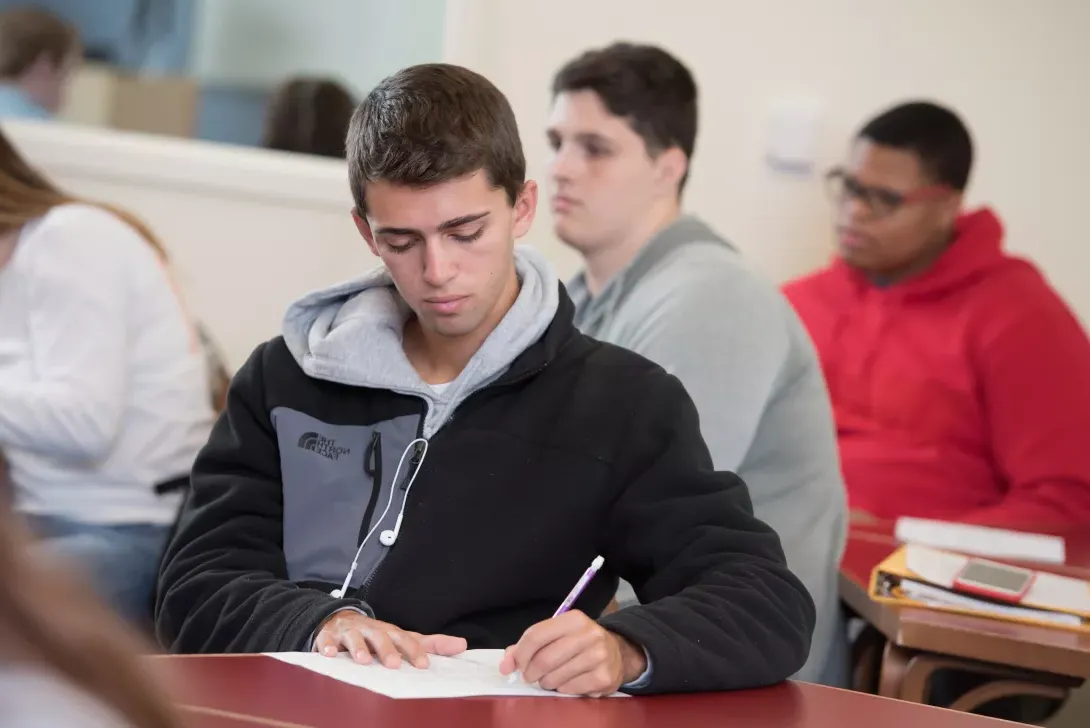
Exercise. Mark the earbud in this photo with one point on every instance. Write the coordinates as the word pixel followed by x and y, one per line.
pixel 389 538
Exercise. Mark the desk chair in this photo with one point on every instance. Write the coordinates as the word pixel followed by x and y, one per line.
pixel 219 379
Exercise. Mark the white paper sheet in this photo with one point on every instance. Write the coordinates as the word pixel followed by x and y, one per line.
pixel 997 543
pixel 473 673
pixel 941 598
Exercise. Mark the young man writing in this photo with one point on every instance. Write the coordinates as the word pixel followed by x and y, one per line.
pixel 438 445
pixel 960 380
pixel 662 284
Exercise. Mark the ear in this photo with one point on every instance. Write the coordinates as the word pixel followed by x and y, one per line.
pixel 525 208
pixel 952 208
pixel 670 166
pixel 365 230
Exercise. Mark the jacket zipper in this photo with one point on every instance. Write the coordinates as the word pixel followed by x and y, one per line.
pixel 372 465
pixel 365 588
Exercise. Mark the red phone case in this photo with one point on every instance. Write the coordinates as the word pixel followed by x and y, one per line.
pixel 982 591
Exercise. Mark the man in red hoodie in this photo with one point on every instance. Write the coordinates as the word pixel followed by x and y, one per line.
pixel 959 378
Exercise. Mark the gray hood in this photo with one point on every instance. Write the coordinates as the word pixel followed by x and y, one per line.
pixel 351 334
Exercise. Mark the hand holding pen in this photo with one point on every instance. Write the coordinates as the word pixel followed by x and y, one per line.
pixel 572 654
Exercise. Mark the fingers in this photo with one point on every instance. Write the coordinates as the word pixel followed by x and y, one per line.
pixel 325 644
pixel 570 654
pixel 382 646
pixel 354 641
pixel 557 660
pixel 408 644
pixel 507 664
pixel 366 639
pixel 442 644
pixel 545 633
pixel 595 683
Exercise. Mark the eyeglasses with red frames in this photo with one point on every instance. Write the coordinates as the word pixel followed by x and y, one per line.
pixel 881 201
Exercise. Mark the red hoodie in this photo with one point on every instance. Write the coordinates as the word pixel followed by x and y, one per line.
pixel 960 394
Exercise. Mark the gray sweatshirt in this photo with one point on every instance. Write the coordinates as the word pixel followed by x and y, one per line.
pixel 689 303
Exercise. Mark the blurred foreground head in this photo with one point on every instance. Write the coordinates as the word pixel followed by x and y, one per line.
pixel 65 660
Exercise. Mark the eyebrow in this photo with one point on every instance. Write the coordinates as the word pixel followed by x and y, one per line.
pixel 443 226
pixel 583 136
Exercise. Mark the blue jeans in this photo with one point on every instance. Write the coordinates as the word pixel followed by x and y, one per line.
pixel 121 562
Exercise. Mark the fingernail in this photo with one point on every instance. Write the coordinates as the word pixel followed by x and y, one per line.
pixel 329 651
pixel 392 661
pixel 421 663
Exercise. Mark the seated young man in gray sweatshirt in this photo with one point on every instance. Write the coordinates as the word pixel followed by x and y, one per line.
pixel 663 284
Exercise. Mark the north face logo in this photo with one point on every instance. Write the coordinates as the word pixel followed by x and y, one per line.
pixel 324 446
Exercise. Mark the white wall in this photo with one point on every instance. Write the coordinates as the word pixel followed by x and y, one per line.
pixel 248 230
pixel 261 42
pixel 1019 71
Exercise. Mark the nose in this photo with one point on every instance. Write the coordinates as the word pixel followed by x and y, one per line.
pixel 439 266
pixel 854 209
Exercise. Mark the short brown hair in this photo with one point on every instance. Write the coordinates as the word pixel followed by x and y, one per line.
pixel 643 84
pixel 310 116
pixel 28 32
pixel 433 123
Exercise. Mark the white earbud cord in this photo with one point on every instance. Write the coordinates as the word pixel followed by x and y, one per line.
pixel 338 593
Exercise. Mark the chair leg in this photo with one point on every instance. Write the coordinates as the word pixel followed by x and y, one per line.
pixel 867 660
pixel 895 662
pixel 997 689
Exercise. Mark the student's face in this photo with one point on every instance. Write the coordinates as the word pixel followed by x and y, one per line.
pixel 602 179
pixel 889 213
pixel 449 247
pixel 50 80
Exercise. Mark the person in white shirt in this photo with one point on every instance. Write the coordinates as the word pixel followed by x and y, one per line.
pixel 103 384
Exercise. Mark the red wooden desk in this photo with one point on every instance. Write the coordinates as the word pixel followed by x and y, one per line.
pixel 246 691
pixel 1024 659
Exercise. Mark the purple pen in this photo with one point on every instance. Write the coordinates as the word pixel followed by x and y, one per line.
pixel 580 585
pixel 572 596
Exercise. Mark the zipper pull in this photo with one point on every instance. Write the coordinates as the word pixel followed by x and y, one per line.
pixel 369 453
pixel 414 464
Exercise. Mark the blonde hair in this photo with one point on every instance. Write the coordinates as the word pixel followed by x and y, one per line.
pixel 26 195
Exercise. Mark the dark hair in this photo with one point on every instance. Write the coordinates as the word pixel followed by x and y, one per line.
pixel 28 32
pixel 936 135
pixel 432 123
pixel 310 116
pixel 644 84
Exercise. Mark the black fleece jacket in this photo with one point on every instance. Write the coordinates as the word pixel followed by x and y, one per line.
pixel 579 449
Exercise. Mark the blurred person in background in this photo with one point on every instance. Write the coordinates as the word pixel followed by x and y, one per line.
pixel 64 659
pixel 663 284
pixel 960 379
pixel 103 387
pixel 39 52
pixel 309 116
